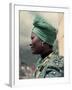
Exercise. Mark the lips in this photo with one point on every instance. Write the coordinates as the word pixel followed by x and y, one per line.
pixel 31 46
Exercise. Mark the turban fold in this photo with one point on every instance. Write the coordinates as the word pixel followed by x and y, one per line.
pixel 45 31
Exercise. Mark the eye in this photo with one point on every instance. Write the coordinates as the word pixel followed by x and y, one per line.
pixel 32 37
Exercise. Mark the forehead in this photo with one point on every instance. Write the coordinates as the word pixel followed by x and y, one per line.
pixel 33 35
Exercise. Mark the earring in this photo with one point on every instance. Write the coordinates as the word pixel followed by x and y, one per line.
pixel 42 43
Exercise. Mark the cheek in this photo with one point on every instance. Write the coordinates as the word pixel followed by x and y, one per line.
pixel 33 42
pixel 36 43
pixel 37 47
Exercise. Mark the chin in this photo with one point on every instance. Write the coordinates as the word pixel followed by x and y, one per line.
pixel 33 52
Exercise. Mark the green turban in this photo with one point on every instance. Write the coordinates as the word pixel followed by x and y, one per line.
pixel 44 30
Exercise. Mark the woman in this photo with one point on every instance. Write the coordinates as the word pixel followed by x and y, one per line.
pixel 43 37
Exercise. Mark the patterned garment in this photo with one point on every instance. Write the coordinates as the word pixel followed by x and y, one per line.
pixel 50 66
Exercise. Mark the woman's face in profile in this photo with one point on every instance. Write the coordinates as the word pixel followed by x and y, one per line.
pixel 36 44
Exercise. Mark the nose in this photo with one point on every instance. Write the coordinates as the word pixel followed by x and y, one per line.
pixel 30 44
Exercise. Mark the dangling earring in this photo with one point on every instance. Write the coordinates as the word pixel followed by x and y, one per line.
pixel 42 43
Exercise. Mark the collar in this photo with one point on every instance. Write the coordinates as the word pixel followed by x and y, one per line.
pixel 44 61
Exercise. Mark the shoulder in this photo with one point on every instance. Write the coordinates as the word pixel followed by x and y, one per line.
pixel 55 66
pixel 56 61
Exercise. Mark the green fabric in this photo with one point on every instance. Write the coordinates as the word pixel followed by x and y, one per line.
pixel 50 66
pixel 44 30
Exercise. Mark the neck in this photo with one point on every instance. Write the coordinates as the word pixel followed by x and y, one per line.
pixel 43 55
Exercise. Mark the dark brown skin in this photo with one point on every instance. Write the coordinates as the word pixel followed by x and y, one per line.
pixel 38 47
